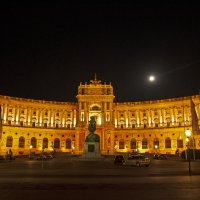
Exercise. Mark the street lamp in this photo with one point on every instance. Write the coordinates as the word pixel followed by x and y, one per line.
pixel 73 150
pixel 115 148
pixel 188 134
pixel 156 147
pixel 30 150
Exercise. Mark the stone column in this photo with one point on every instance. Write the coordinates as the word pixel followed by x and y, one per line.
pixel 14 114
pixel 112 142
pixel 72 113
pixel 85 113
pixel 77 150
pixel 111 113
pixel 17 116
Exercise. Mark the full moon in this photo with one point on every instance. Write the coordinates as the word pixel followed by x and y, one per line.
pixel 151 78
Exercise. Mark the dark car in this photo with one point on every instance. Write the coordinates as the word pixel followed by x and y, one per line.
pixel 160 157
pixel 119 160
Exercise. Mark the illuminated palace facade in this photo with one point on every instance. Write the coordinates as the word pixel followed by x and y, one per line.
pixel 146 126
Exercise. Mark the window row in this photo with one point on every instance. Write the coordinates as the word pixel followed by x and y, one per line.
pixel 44 124
pixel 156 143
pixel 33 143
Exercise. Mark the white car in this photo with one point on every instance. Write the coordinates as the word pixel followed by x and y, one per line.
pixel 137 160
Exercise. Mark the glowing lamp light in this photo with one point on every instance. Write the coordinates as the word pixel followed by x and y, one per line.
pixel 188 133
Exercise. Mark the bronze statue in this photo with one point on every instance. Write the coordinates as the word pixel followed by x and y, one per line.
pixel 92 137
pixel 92 125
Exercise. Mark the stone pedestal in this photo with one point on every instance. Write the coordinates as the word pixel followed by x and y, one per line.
pixel 92 143
pixel 91 150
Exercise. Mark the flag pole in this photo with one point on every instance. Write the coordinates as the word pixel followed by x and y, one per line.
pixel 184 127
pixel 195 126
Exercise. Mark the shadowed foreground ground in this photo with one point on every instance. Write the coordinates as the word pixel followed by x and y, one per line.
pixel 75 179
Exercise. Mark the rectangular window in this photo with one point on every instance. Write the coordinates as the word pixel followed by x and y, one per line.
pixel 82 91
pixel 108 106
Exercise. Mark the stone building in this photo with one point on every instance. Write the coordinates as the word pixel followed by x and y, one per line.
pixel 146 126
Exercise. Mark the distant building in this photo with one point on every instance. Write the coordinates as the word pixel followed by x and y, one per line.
pixel 147 126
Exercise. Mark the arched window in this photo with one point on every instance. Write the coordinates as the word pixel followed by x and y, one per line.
pixel 121 124
pixel 133 123
pixel 9 141
pixel 156 121
pixel 121 144
pixel 133 143
pixel 68 123
pixel 168 143
pixel 21 142
pixel 156 143
pixel 179 143
pixel 144 143
pixel 57 143
pixel 68 144
pixel 45 143
pixel 33 142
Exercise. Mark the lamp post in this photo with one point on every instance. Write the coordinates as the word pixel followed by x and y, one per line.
pixel 115 148
pixel 73 150
pixel 30 151
pixel 188 134
pixel 156 147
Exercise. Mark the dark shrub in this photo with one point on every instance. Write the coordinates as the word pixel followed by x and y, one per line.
pixel 191 153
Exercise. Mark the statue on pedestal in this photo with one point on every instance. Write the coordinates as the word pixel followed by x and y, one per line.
pixel 92 137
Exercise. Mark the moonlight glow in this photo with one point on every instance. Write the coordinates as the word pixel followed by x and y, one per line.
pixel 151 78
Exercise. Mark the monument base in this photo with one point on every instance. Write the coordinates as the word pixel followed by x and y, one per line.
pixel 91 150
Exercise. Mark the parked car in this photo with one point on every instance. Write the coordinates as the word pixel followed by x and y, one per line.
pixel 137 160
pixel 119 160
pixel 44 157
pixel 160 157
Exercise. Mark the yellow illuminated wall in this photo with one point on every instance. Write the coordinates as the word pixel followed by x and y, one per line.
pixel 148 126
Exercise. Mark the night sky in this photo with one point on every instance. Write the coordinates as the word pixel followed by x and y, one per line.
pixel 47 49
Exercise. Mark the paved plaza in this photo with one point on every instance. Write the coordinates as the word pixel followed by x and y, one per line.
pixel 73 178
